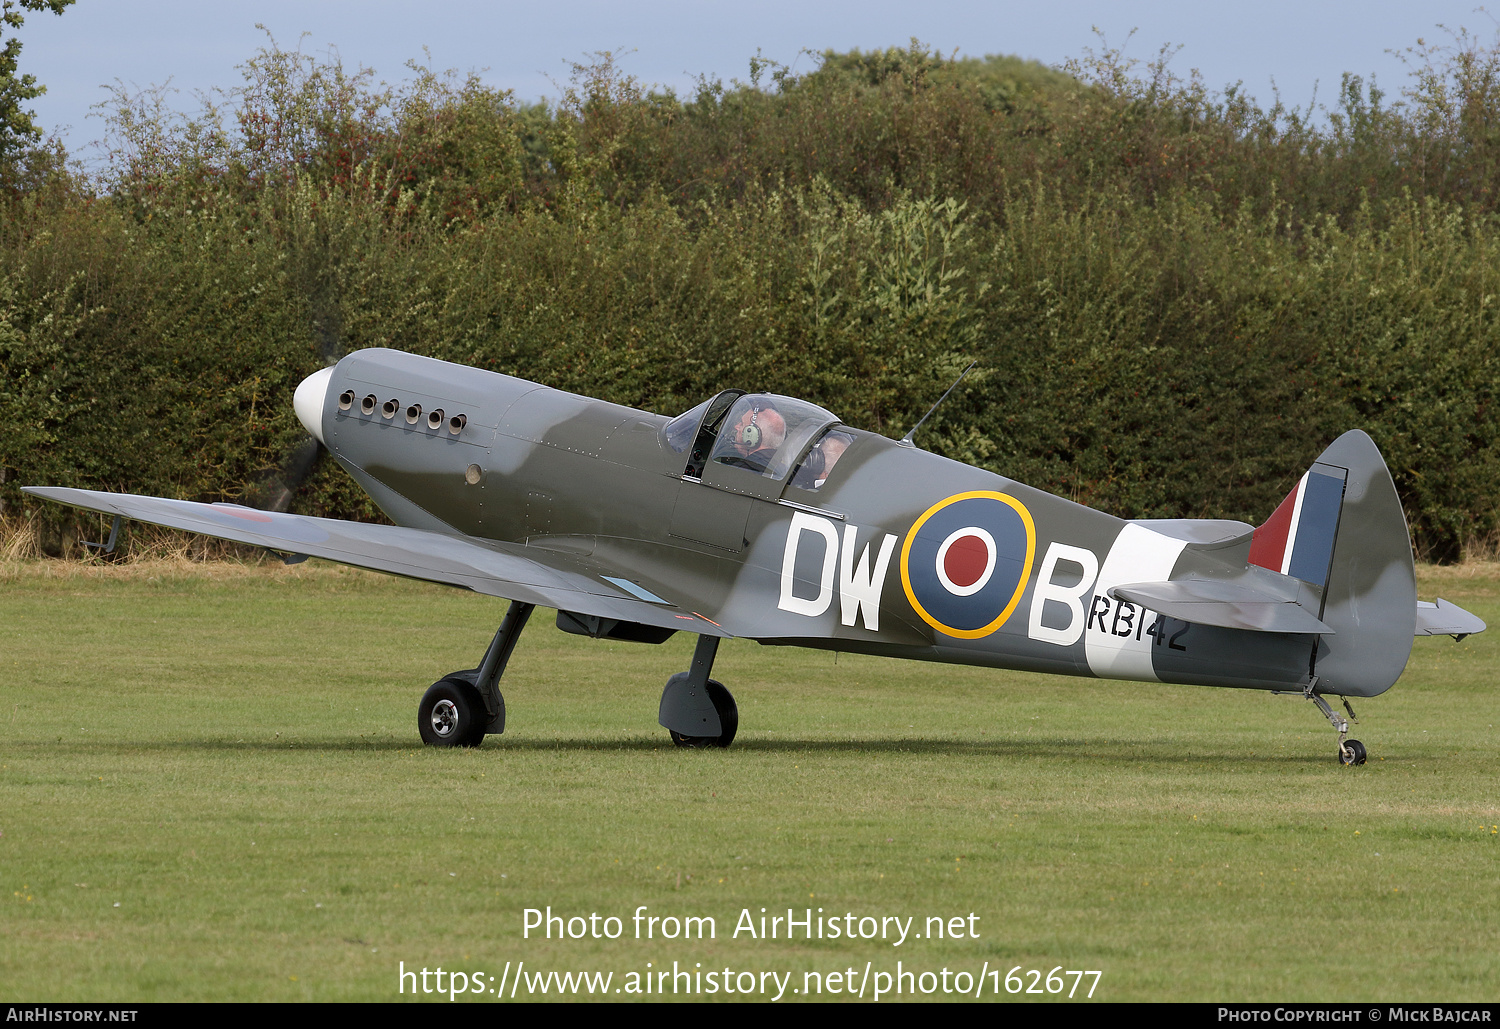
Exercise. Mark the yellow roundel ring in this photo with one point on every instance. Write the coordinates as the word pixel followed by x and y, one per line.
pixel 992 529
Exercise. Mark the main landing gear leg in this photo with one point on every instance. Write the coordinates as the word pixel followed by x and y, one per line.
pixel 1351 752
pixel 696 710
pixel 461 707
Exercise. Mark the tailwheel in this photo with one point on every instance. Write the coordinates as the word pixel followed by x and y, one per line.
pixel 729 720
pixel 1351 752
pixel 451 714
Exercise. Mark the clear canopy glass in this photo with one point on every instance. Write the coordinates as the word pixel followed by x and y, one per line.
pixel 766 433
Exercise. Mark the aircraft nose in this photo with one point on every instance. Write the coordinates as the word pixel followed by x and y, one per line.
pixel 308 401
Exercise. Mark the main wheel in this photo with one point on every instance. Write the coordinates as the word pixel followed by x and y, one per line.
pixel 1352 753
pixel 451 715
pixel 729 720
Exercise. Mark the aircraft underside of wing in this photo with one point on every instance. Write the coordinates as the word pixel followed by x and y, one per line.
pixel 529 575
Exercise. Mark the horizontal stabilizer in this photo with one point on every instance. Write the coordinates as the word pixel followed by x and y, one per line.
pixel 1227 604
pixel 1445 619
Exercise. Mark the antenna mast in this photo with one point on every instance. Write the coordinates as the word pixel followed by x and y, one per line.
pixel 906 441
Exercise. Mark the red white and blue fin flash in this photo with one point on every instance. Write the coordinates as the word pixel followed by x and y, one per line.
pixel 1297 539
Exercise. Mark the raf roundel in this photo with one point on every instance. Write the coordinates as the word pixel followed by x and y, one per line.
pixel 966 561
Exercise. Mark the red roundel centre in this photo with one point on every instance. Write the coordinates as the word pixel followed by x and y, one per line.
pixel 966 560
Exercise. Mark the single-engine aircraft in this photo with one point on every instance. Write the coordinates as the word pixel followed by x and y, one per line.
pixel 762 516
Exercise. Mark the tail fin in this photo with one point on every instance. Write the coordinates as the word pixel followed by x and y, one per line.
pixel 1298 539
pixel 1343 576
pixel 1342 532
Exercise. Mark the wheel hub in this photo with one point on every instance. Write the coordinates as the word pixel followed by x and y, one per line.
pixel 444 718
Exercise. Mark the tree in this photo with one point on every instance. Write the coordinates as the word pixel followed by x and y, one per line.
pixel 16 127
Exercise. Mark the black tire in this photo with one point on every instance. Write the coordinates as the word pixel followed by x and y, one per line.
pixel 451 715
pixel 729 720
pixel 1353 753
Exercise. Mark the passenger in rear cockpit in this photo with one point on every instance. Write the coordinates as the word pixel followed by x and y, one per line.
pixel 819 462
pixel 832 448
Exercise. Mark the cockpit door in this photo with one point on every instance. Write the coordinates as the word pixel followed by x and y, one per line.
pixel 702 513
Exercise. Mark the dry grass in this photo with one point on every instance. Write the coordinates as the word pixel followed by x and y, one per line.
pixel 19 539
pixel 1470 570
pixel 141 551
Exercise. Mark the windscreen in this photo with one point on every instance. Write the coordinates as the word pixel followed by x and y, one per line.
pixel 681 430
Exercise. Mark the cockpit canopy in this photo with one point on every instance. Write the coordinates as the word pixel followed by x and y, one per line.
pixel 737 432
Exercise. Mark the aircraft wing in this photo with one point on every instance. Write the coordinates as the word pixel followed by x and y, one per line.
pixel 1227 604
pixel 512 571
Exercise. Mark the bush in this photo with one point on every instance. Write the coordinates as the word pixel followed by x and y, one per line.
pixel 1175 297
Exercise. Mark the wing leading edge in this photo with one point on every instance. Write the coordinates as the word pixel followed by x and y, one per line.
pixel 510 571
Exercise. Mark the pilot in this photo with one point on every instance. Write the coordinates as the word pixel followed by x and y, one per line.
pixel 755 437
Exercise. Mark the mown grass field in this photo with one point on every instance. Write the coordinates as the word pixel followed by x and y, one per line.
pixel 212 789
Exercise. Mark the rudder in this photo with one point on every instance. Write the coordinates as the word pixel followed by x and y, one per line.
pixel 1343 533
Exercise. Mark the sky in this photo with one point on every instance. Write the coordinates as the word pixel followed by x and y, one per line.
pixel 530 47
